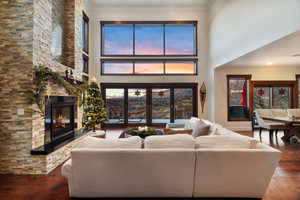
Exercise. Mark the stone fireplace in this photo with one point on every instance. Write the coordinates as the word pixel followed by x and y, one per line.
pixel 30 144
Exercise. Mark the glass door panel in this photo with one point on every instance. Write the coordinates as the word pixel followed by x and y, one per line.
pixel 281 97
pixel 115 105
pixel 160 106
pixel 261 97
pixel 183 104
pixel 137 106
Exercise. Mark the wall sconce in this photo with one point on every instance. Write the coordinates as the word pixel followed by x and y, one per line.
pixel 202 96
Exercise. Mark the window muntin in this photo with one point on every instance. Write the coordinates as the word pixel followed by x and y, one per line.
pixel 180 39
pixel 238 97
pixel 149 39
pixel 117 39
pixel 151 67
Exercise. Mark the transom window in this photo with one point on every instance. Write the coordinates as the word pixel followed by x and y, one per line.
pixel 165 42
pixel 149 67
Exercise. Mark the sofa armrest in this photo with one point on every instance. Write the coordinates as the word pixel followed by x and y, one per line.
pixel 66 168
pixel 174 125
pixel 234 172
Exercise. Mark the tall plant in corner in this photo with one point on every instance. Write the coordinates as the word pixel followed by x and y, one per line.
pixel 94 109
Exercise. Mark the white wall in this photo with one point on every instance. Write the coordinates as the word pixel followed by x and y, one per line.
pixel 238 27
pixel 241 26
pixel 150 13
pixel 258 73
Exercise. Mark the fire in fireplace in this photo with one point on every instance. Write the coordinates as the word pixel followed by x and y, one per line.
pixel 61 120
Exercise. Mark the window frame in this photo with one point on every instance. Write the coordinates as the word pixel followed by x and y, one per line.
pixel 164 23
pixel 194 60
pixel 288 83
pixel 85 32
pixel 248 78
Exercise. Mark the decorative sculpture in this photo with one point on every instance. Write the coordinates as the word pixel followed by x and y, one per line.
pixel 202 95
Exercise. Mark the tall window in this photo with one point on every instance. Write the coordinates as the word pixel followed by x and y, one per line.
pixel 85 44
pixel 85 33
pixel 159 40
pixel 238 97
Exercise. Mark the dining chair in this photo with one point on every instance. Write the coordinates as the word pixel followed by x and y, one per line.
pixel 269 125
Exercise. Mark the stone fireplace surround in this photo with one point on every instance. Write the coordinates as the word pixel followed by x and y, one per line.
pixel 27 42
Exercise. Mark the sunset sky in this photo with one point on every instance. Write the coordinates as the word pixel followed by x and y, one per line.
pixel 118 39
pixel 178 67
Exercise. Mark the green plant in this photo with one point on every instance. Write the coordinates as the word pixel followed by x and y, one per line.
pixel 142 134
pixel 94 109
pixel 43 75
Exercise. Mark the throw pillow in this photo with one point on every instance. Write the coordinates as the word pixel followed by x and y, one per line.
pixel 168 131
pixel 176 141
pixel 199 128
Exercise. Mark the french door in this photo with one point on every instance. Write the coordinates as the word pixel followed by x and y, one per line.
pixel 149 104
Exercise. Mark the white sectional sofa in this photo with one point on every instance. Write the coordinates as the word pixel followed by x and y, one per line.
pixel 219 165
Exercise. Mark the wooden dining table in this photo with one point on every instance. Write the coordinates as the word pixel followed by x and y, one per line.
pixel 292 124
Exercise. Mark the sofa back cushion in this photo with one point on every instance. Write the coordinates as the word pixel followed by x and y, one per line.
pixel 279 113
pixel 225 142
pixel 133 142
pixel 177 141
pixel 293 112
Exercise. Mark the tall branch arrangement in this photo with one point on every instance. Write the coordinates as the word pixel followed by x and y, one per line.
pixel 42 76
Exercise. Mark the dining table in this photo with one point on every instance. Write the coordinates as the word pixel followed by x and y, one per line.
pixel 292 124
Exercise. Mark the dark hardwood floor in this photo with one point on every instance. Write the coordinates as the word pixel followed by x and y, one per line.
pixel 285 184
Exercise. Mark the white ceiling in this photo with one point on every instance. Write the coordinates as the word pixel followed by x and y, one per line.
pixel 278 53
pixel 149 2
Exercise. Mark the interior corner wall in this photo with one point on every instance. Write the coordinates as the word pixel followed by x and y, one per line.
pixel 258 74
pixel 151 13
pixel 242 26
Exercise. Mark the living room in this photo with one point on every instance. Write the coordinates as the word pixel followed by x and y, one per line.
pixel 183 82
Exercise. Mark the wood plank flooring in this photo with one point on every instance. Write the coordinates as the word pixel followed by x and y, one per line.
pixel 285 184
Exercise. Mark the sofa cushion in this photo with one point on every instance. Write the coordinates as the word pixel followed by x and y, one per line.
pixel 225 142
pixel 134 142
pixel 177 141
pixel 172 131
pixel 279 113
